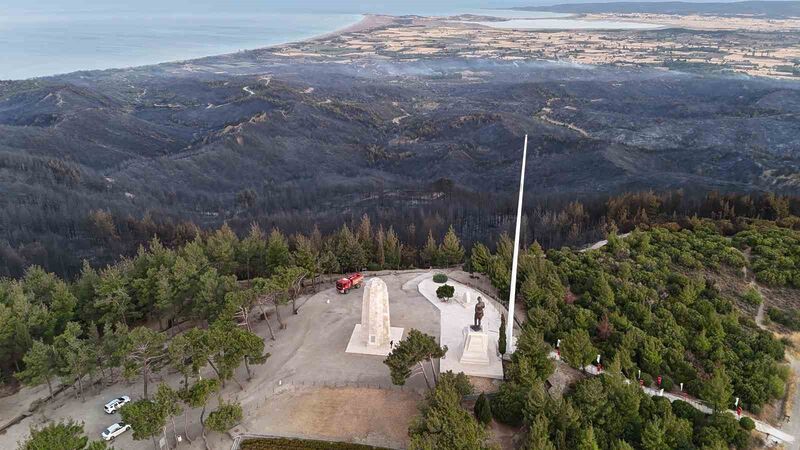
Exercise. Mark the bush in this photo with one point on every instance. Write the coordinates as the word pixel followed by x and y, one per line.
pixel 445 292
pixel 483 410
pixel 459 381
pixel 508 403
pixel 667 384
pixel 440 278
pixel 789 319
pixel 686 411
pixel 752 297
pixel 647 378
pixel 225 417
pixel 747 423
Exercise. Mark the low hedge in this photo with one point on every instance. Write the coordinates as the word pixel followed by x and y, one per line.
pixel 301 444
pixel 440 278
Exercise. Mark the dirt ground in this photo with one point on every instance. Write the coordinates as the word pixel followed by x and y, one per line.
pixel 361 415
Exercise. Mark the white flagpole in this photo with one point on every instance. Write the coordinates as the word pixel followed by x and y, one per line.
pixel 515 259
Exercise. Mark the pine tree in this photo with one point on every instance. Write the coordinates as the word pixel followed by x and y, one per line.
pixel 653 436
pixel 577 349
pixel 414 350
pixel 307 257
pixel 67 435
pixel 221 249
pixel 142 353
pixel 429 255
pixel 392 249
pixel 501 342
pixel 380 250
pixel 169 402
pixel 717 391
pixel 349 253
pixel 621 445
pixel 277 251
pixel 480 258
pixel 251 253
pixel 146 418
pixel 451 252
pixel 587 440
pixel 539 434
pixel 226 416
pixel 41 365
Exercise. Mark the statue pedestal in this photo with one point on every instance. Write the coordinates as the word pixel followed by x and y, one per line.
pixel 476 347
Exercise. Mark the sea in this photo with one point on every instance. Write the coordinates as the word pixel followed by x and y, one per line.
pixel 61 36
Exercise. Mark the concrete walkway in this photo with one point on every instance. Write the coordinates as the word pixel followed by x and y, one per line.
pixel 454 320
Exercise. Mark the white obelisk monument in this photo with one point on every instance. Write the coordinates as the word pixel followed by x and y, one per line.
pixel 512 296
pixel 374 335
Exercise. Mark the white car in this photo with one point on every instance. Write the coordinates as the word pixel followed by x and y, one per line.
pixel 115 430
pixel 114 405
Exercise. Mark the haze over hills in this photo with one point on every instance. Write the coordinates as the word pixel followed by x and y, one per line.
pixel 773 9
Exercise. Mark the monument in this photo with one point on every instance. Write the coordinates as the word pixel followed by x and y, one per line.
pixel 465 300
pixel 374 335
pixel 476 341
pixel 479 307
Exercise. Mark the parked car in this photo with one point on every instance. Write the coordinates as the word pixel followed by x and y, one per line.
pixel 114 405
pixel 115 430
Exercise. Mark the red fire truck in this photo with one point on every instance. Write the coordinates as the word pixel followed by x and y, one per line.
pixel 349 282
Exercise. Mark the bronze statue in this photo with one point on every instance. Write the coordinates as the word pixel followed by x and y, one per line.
pixel 478 314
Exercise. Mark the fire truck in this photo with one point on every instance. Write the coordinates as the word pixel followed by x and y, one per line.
pixel 353 281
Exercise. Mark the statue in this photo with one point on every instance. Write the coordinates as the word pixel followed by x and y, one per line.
pixel 478 314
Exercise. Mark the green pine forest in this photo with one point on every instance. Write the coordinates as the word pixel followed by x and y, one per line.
pixel 656 300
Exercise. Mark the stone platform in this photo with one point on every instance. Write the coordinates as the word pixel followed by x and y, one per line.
pixel 358 342
pixel 453 318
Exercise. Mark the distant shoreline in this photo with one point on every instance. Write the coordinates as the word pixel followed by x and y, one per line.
pixel 365 22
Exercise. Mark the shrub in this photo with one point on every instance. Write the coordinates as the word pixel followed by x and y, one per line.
pixel 667 384
pixel 225 417
pixel 789 319
pixel 445 292
pixel 747 423
pixel 752 297
pixel 483 410
pixel 647 378
pixel 440 278
pixel 508 403
pixel 686 411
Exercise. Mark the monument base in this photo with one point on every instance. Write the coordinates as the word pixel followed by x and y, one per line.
pixel 476 348
pixel 358 342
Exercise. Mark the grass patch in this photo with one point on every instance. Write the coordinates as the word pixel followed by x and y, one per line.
pixel 301 444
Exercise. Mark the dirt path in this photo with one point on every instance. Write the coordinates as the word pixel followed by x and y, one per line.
pixel 793 425
pixel 544 117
